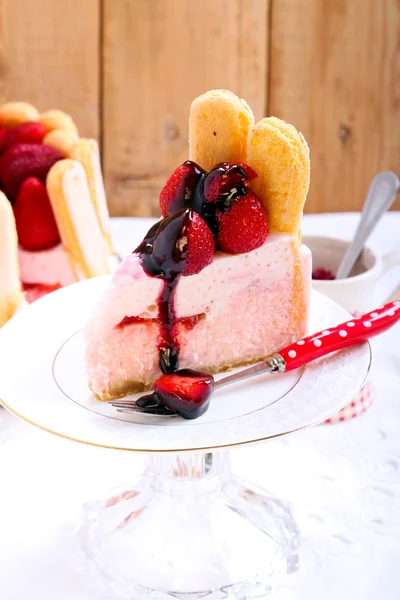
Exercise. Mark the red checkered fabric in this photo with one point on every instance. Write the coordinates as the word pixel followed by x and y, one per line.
pixel 359 404
pixel 356 407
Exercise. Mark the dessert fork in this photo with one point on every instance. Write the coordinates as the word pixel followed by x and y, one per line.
pixel 168 401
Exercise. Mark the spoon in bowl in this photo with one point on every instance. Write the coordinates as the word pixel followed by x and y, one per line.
pixel 381 195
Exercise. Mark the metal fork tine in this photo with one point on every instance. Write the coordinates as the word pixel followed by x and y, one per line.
pixel 130 404
pixel 121 401
pixel 129 411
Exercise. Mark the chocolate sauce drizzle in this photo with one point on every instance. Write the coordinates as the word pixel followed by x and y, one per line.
pixel 187 186
pixel 163 255
pixel 163 250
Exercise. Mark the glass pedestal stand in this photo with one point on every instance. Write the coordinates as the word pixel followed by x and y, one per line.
pixel 190 529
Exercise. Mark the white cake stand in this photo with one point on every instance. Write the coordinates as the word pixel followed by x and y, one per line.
pixel 188 528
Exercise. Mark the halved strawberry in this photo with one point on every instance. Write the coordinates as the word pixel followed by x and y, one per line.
pixel 322 273
pixel 200 248
pixel 186 392
pixel 244 226
pixel 34 218
pixel 21 161
pixel 27 133
pixel 178 191
pixel 183 244
pixel 225 178
pixel 3 139
pixel 34 291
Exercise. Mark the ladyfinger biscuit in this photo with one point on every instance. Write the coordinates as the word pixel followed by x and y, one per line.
pixel 58 119
pixel 87 153
pixel 15 113
pixel 279 155
pixel 61 139
pixel 219 125
pixel 76 219
pixel 10 286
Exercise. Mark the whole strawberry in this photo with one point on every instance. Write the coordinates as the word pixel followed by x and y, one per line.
pixel 36 226
pixel 21 161
pixel 178 191
pixel 244 226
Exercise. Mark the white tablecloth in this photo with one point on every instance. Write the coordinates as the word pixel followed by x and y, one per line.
pixel 343 481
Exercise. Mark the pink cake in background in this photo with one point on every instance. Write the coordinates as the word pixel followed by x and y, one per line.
pixel 222 280
pixel 44 271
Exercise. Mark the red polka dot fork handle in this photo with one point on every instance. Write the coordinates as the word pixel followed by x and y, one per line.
pixel 352 332
pixel 335 338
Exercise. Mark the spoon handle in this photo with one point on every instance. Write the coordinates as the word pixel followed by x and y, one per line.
pixel 380 197
pixel 346 334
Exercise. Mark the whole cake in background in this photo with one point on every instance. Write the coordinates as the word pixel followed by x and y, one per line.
pixel 222 280
pixel 53 180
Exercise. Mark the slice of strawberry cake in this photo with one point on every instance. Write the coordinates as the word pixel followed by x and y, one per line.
pixel 53 180
pixel 222 279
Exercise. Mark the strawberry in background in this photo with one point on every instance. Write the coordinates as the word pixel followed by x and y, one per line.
pixel 34 218
pixel 21 161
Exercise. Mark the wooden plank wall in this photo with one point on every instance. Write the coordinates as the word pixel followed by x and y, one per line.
pixel 50 56
pixel 159 55
pixel 335 73
pixel 127 71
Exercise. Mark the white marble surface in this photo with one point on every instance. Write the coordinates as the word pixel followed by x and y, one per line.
pixel 343 480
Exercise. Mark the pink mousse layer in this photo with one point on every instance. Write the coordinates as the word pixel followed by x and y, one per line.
pixel 47 267
pixel 244 301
